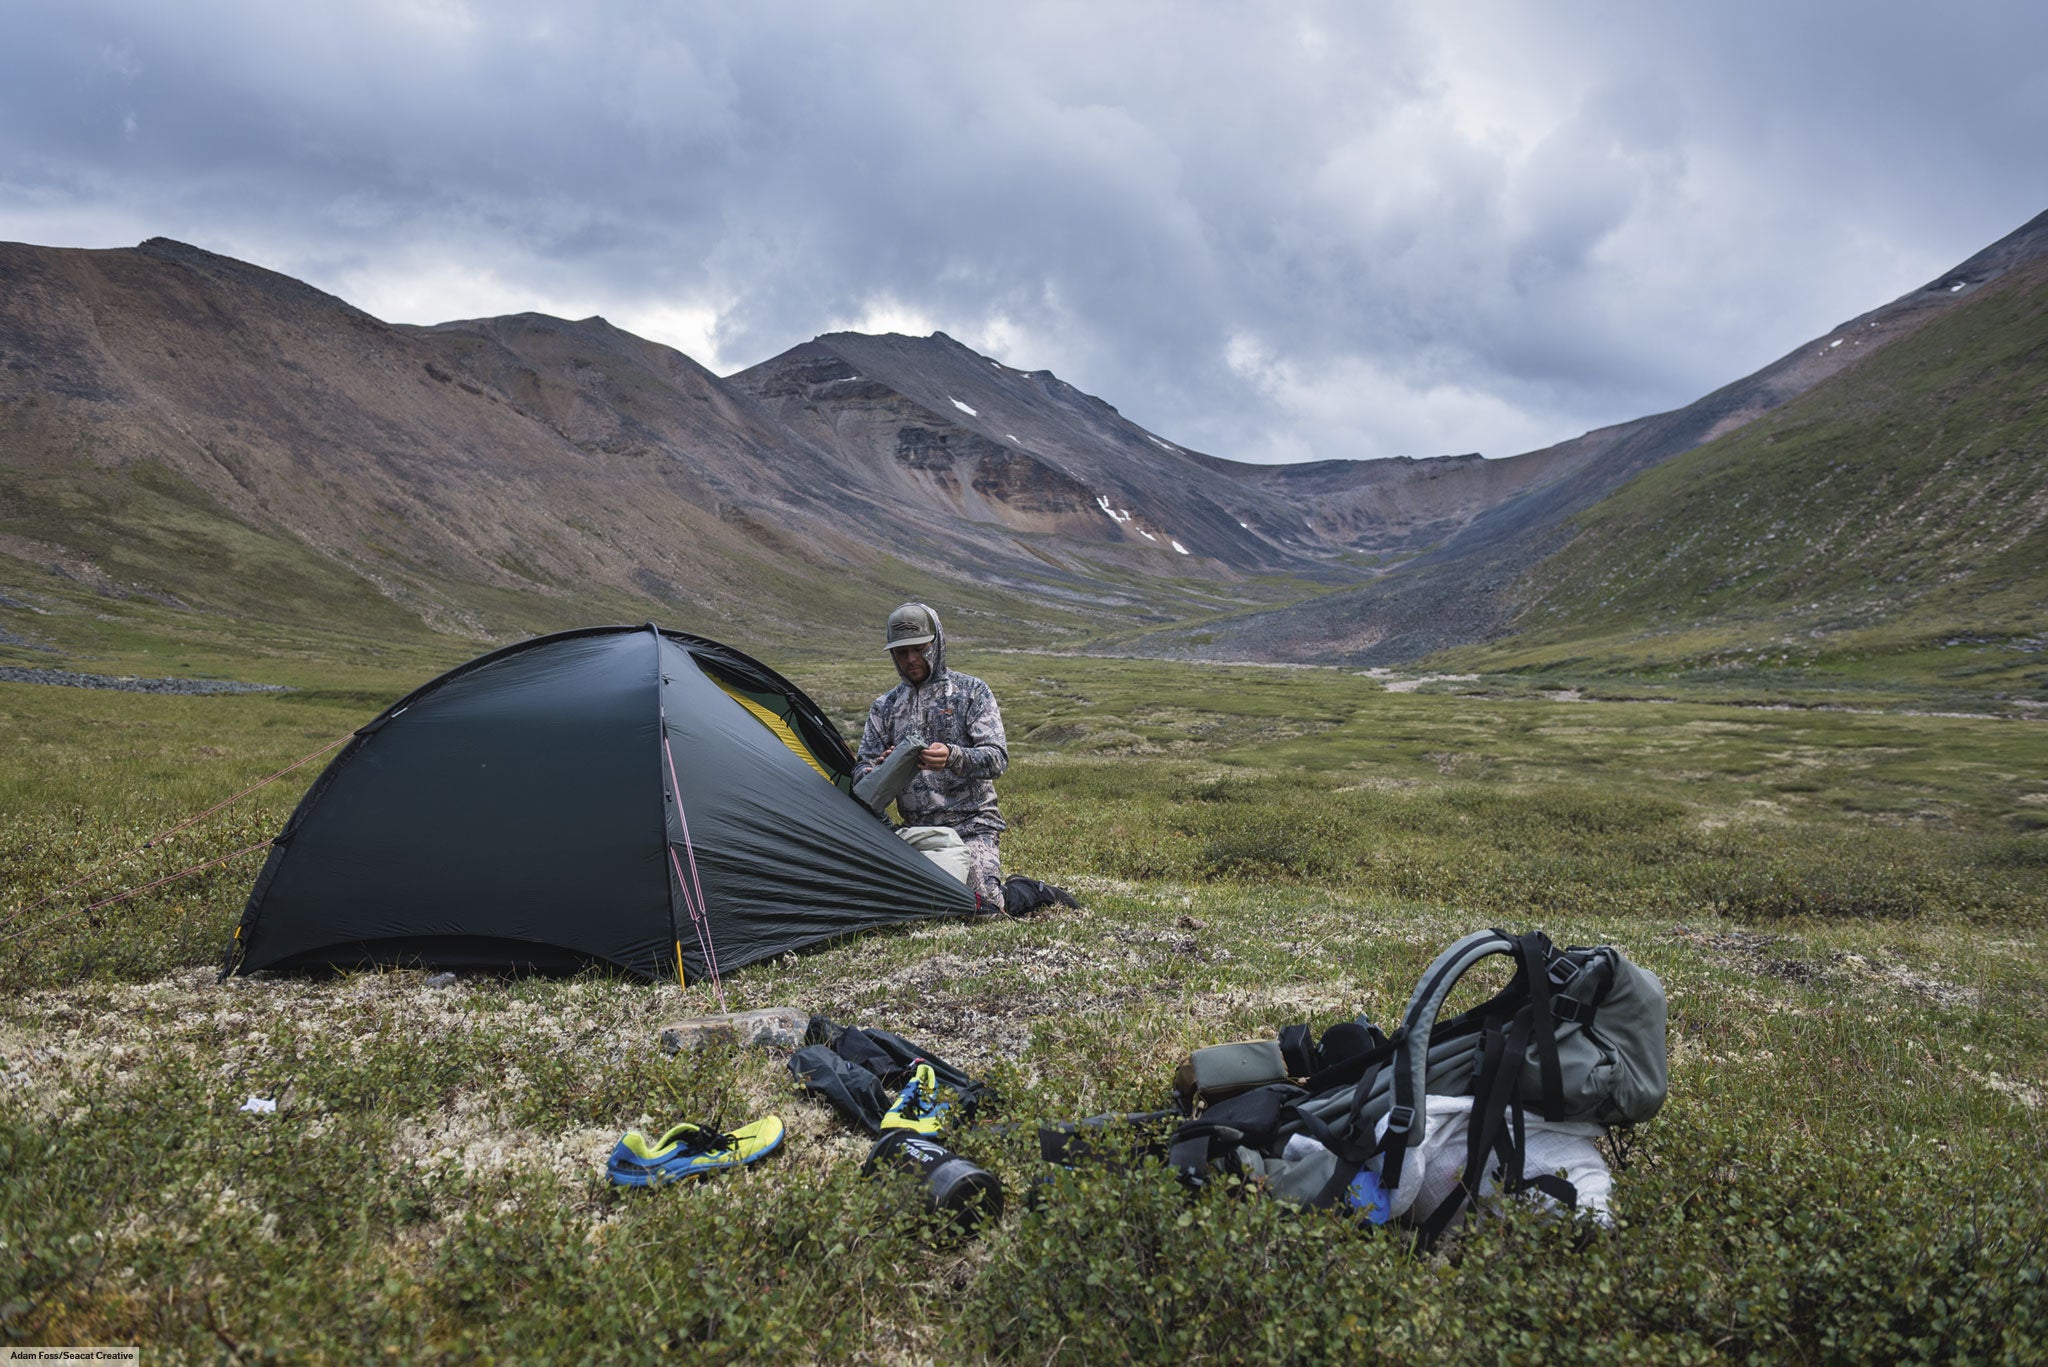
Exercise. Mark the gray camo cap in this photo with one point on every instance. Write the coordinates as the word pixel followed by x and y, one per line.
pixel 911 625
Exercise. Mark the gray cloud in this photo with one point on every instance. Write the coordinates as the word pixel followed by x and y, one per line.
pixel 1273 231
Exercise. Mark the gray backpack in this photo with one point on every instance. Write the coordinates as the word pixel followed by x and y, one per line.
pixel 1579 1034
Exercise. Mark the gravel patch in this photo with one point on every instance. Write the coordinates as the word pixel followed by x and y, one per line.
pixel 129 684
pixel 8 638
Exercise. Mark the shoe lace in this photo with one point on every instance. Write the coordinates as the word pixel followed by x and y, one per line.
pixel 920 1094
pixel 709 1138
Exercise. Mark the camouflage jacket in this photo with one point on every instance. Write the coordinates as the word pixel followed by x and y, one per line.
pixel 956 710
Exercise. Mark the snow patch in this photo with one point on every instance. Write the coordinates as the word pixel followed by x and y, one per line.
pixel 1958 285
pixel 1115 514
pixel 1162 445
pixel 1832 345
pixel 1013 437
pixel 1177 546
pixel 1246 525
pixel 1147 535
pixel 962 407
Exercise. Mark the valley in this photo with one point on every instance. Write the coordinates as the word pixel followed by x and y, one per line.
pixel 1751 689
pixel 199 455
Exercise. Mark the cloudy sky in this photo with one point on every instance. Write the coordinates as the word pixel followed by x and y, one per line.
pixel 1271 231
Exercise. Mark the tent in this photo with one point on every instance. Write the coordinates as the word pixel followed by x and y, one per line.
pixel 624 795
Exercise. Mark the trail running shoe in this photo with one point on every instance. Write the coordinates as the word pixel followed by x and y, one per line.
pixel 918 1106
pixel 689 1151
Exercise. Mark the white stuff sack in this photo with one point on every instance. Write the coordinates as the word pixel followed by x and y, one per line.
pixel 1567 1148
pixel 940 844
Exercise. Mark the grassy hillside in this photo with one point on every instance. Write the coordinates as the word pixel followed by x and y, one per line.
pixel 186 430
pixel 1849 912
pixel 1892 524
pixel 265 609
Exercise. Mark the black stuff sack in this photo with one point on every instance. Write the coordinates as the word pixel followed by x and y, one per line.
pixel 860 1071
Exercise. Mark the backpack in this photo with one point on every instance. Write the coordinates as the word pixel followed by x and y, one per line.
pixel 1577 1036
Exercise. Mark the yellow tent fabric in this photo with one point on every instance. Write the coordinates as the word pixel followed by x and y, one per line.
pixel 775 724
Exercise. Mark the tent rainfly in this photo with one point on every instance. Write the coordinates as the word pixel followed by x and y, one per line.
pixel 624 795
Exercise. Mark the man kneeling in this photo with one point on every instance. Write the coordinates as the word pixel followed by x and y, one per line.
pixel 953 720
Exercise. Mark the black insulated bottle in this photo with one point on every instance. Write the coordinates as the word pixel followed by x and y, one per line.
pixel 953 1186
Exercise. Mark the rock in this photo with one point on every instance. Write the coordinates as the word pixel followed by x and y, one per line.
pixel 72 679
pixel 441 980
pixel 774 1027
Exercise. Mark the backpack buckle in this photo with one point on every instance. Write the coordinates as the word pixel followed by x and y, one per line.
pixel 1400 1120
pixel 1573 1010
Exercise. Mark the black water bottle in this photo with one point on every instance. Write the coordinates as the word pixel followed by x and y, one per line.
pixel 953 1186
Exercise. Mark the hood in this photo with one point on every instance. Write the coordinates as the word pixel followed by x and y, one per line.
pixel 937 653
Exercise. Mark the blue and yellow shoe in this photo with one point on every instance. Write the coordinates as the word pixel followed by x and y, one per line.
pixel 689 1151
pixel 918 1106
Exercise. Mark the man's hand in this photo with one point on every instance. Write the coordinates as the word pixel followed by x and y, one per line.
pixel 934 757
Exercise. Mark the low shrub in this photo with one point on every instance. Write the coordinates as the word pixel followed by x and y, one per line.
pixel 1800 1251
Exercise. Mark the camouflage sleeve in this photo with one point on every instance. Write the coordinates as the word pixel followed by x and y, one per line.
pixel 987 752
pixel 875 738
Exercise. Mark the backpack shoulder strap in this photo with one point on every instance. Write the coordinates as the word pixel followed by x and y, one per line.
pixel 1534 953
pixel 1407 1121
pixel 1199 1145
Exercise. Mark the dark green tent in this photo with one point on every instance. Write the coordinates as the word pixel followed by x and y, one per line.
pixel 624 795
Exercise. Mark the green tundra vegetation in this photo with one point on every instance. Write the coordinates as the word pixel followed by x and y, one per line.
pixel 1888 528
pixel 1846 909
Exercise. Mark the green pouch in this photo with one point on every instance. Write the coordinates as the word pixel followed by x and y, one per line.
pixel 1224 1070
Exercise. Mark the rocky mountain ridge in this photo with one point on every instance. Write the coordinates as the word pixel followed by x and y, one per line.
pixel 1471 586
pixel 194 429
pixel 211 435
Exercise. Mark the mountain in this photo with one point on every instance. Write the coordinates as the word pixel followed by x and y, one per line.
pixel 1897 513
pixel 182 428
pixel 187 428
pixel 943 427
pixel 1484 579
pixel 210 441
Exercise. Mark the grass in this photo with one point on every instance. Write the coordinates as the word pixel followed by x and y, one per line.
pixel 1846 909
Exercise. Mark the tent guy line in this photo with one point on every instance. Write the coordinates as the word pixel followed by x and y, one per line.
pixel 695 905
pixel 160 839
pixel 124 896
